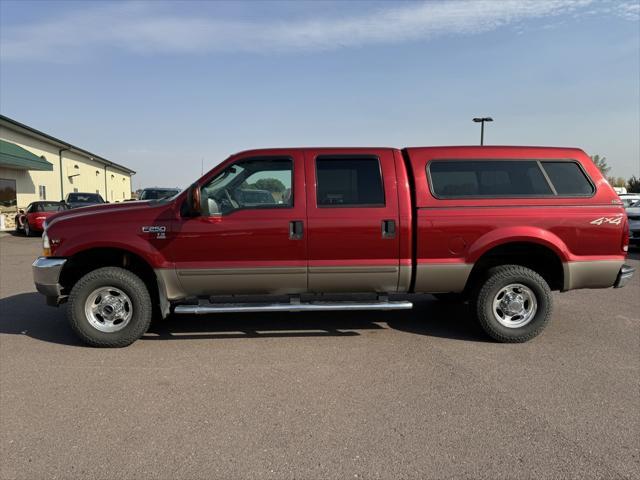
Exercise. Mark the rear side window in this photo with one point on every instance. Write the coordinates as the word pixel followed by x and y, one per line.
pixel 568 178
pixel 490 178
pixel 349 182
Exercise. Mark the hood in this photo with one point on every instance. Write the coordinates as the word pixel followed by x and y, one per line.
pixel 98 209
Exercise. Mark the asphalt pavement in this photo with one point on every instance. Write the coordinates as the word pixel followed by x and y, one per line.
pixel 416 394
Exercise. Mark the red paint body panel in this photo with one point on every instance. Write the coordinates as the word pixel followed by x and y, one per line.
pixel 36 220
pixel 448 231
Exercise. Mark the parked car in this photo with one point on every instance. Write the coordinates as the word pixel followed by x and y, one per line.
pixel 254 197
pixel 629 198
pixel 501 227
pixel 82 199
pixel 633 216
pixel 31 220
pixel 158 193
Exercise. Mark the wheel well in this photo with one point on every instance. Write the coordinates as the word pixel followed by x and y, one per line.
pixel 86 261
pixel 538 258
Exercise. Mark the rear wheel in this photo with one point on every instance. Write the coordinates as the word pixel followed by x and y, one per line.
pixel 513 304
pixel 109 307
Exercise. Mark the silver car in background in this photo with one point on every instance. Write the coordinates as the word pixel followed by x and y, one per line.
pixel 633 214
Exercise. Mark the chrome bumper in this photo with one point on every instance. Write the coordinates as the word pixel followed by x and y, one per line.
pixel 625 274
pixel 46 275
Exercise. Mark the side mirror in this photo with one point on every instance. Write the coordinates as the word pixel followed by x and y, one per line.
pixel 193 202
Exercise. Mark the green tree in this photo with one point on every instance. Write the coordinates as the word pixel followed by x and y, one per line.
pixel 633 185
pixel 601 163
pixel 270 184
pixel 617 181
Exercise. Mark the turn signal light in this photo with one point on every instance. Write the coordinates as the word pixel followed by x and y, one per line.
pixel 46 246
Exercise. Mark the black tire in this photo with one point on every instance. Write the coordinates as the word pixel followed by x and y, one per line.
pixel 499 278
pixel 127 282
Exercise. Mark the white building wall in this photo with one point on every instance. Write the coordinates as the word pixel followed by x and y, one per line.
pixel 79 173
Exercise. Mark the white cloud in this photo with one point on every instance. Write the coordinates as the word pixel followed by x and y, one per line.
pixel 141 28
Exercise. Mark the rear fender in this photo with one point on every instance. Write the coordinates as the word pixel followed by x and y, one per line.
pixel 506 235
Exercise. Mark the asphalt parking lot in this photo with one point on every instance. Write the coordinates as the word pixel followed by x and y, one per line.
pixel 418 394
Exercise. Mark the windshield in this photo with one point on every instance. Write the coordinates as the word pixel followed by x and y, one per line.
pixel 158 193
pixel 51 207
pixel 84 198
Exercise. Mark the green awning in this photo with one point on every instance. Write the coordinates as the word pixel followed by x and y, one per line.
pixel 13 156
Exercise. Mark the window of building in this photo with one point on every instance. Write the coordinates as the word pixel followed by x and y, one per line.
pixel 250 184
pixel 568 178
pixel 42 192
pixel 7 193
pixel 349 182
pixel 487 178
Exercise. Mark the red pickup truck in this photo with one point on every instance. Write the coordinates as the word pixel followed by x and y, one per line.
pixel 500 227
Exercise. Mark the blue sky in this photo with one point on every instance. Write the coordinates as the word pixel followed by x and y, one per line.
pixel 159 86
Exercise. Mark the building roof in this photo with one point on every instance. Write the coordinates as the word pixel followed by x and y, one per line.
pixel 62 144
pixel 14 156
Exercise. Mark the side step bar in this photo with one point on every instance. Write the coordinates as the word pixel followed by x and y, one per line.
pixel 202 309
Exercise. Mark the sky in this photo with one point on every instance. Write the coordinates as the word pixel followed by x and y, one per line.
pixel 165 87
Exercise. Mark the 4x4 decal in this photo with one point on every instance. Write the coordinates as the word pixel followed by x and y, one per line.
pixel 610 220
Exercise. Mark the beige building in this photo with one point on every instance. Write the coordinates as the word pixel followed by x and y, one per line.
pixel 36 166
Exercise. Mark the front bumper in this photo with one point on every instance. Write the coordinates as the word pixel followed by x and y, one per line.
pixel 46 276
pixel 625 274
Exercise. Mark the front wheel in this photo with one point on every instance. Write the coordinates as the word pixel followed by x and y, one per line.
pixel 513 304
pixel 109 307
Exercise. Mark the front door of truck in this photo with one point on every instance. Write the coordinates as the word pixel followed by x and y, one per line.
pixel 352 214
pixel 251 237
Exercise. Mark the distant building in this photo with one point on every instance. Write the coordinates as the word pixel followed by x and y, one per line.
pixel 36 166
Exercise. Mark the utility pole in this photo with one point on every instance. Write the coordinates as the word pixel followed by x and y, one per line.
pixel 481 121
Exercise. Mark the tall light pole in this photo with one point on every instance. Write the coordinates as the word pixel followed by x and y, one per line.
pixel 481 121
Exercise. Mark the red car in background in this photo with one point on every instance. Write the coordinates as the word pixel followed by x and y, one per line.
pixel 32 219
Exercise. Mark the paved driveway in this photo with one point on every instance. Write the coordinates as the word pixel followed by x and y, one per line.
pixel 419 394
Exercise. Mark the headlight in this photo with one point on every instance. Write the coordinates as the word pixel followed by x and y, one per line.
pixel 46 246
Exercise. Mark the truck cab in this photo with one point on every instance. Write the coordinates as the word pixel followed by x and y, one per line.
pixel 500 227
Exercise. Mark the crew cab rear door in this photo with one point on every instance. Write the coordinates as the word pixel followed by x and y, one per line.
pixel 352 217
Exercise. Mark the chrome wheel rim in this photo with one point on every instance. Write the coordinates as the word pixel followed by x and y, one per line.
pixel 515 305
pixel 108 309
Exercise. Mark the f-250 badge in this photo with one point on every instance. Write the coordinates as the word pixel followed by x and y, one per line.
pixel 610 220
pixel 161 230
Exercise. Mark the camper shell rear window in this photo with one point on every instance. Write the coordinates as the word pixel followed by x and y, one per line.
pixel 489 178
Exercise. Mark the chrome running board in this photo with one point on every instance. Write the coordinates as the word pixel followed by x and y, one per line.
pixel 202 309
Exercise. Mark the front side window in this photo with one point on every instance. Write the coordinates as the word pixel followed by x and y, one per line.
pixel 349 182
pixel 250 184
pixel 487 178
